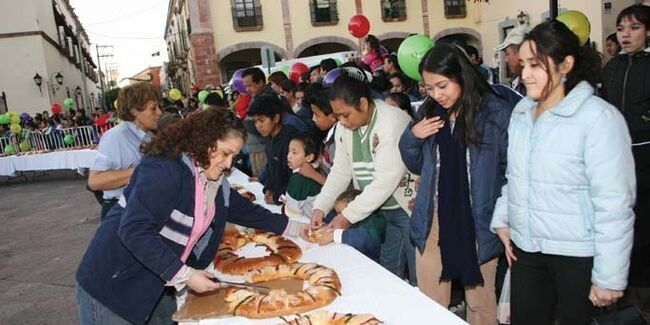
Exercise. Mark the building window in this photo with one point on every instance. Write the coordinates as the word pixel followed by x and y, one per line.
pixel 323 12
pixel 608 7
pixel 393 10
pixel 247 15
pixel 455 9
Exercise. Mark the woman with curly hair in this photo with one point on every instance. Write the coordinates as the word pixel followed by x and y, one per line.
pixel 166 227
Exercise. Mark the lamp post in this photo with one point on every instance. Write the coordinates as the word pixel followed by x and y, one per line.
pixel 53 83
pixel 523 18
pixel 38 80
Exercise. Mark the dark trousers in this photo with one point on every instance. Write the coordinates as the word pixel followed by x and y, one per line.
pixel 545 288
pixel 106 206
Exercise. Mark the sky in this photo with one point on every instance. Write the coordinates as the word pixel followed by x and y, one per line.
pixel 135 29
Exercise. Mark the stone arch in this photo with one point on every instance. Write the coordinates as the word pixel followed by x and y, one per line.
pixel 457 30
pixel 390 35
pixel 250 45
pixel 325 39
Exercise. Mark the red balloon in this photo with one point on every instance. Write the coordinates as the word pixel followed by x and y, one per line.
pixel 297 69
pixel 56 108
pixel 359 26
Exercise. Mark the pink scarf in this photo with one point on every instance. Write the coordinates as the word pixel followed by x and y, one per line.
pixel 204 212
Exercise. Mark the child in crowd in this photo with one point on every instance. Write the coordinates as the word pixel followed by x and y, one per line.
pixel 401 101
pixel 373 54
pixel 317 99
pixel 365 236
pixel 301 190
pixel 266 111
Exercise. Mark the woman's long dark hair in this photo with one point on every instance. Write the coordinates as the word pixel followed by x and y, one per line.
pixel 451 61
pixel 554 41
pixel 196 135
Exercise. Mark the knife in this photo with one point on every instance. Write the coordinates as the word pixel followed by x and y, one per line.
pixel 241 285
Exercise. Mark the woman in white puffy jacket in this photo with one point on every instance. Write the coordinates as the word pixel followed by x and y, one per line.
pixel 565 215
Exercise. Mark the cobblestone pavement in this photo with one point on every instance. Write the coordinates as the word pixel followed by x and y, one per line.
pixel 47 223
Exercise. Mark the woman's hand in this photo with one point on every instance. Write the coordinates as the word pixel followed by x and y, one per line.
pixel 202 281
pixel 427 127
pixel 312 173
pixel 317 217
pixel 504 235
pixel 604 297
pixel 304 232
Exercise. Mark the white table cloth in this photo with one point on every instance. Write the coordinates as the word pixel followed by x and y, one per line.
pixel 366 286
pixel 69 159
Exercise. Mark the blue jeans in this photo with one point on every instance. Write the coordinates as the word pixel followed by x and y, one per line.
pixel 92 312
pixel 397 251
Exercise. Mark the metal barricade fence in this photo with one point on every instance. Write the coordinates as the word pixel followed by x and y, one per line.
pixel 83 137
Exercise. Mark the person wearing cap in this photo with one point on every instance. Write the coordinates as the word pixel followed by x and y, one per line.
pixel 510 48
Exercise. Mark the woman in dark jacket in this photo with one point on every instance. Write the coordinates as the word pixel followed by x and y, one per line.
pixel 626 81
pixel 458 147
pixel 167 225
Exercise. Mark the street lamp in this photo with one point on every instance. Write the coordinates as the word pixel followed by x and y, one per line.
pixel 59 78
pixel 38 80
pixel 523 18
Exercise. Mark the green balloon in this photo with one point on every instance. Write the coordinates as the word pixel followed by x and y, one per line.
pixel 68 103
pixel 5 119
pixel 411 52
pixel 25 146
pixel 338 61
pixel 68 139
pixel 202 95
pixel 10 150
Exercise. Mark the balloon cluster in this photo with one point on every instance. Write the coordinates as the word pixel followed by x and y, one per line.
pixel 14 120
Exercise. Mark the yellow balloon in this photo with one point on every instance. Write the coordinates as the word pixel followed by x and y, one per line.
pixel 578 23
pixel 115 104
pixel 15 128
pixel 175 94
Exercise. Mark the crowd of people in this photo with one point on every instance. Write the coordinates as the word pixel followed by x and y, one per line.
pixel 545 173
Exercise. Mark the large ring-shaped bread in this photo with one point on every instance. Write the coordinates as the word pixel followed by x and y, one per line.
pixel 323 317
pixel 324 287
pixel 227 261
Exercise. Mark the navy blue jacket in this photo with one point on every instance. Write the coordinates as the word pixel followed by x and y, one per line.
pixel 276 172
pixel 486 171
pixel 137 247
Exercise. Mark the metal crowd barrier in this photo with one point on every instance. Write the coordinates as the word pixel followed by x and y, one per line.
pixel 84 137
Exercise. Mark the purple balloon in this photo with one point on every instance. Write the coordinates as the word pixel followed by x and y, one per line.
pixel 331 76
pixel 238 81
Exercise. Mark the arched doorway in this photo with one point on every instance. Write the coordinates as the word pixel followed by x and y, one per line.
pixel 392 40
pixel 244 55
pixel 323 48
pixel 465 36
pixel 324 45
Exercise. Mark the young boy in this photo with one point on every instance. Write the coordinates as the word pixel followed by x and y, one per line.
pixel 266 112
pixel 365 236
pixel 301 191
